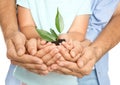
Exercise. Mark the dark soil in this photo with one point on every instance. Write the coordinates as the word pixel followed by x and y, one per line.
pixel 57 42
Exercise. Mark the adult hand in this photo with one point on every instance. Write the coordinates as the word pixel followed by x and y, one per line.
pixel 16 52
pixel 83 66
pixel 15 45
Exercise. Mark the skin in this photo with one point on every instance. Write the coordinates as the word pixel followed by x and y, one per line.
pixel 107 39
pixel 98 47
pixel 27 27
pixel 15 40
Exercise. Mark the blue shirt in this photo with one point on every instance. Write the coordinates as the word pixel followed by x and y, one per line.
pixel 102 11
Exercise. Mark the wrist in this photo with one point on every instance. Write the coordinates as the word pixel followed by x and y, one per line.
pixel 86 43
pixel 15 35
pixel 98 51
pixel 8 34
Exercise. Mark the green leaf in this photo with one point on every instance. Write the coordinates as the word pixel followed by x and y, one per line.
pixel 59 22
pixel 46 35
pixel 53 33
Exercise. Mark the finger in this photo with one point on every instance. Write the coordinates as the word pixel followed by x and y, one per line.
pixel 64 52
pixel 77 49
pixel 69 65
pixel 76 57
pixel 68 45
pixel 50 55
pixel 32 46
pixel 54 59
pixel 44 51
pixel 19 41
pixel 29 59
pixel 39 72
pixel 66 71
pixel 11 52
pixel 42 67
pixel 87 69
pixel 85 58
pixel 42 43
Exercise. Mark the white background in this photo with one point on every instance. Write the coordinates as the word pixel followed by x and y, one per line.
pixel 114 62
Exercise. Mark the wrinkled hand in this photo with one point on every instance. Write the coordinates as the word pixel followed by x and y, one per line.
pixel 15 45
pixel 16 52
pixel 83 66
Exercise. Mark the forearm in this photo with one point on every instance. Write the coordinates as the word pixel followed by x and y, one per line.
pixel 29 32
pixel 78 28
pixel 8 19
pixel 109 37
pixel 76 36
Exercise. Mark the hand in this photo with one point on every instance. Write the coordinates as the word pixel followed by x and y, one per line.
pixel 83 66
pixel 15 45
pixel 16 52
pixel 46 52
pixel 29 61
pixel 71 51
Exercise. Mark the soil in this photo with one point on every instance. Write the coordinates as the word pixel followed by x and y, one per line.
pixel 57 42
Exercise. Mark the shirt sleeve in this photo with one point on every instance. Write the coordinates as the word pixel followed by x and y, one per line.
pixel 102 11
pixel 23 3
pixel 85 7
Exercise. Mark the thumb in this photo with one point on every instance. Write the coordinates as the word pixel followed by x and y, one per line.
pixel 32 46
pixel 19 41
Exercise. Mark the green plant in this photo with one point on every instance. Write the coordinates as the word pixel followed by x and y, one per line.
pixel 52 36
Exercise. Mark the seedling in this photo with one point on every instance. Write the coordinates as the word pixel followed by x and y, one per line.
pixel 52 36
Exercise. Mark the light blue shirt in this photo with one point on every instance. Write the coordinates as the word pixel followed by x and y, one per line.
pixel 102 12
pixel 43 13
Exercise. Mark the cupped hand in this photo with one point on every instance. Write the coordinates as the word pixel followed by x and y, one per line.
pixel 43 50
pixel 16 52
pixel 15 45
pixel 82 67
